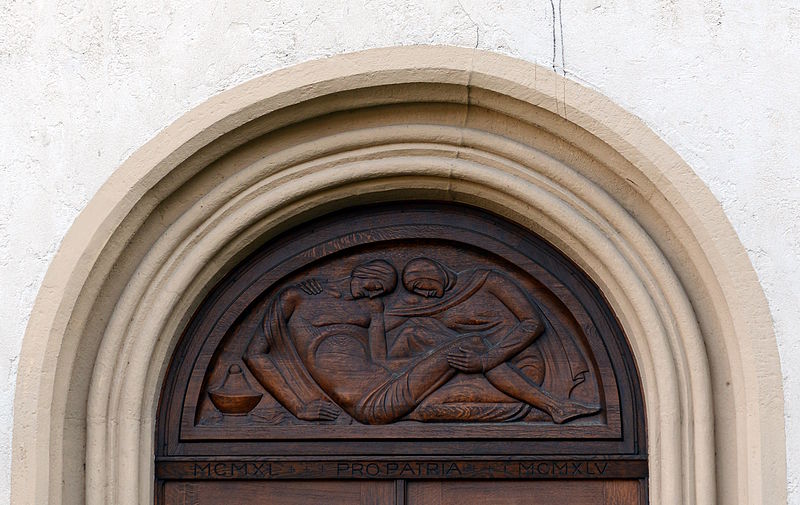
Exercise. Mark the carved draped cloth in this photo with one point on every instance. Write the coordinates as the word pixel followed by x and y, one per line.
pixel 284 356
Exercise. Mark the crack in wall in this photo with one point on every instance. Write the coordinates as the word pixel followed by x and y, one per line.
pixel 558 36
pixel 477 27
pixel 558 49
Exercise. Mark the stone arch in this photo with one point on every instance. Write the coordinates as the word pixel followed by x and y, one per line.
pixel 415 122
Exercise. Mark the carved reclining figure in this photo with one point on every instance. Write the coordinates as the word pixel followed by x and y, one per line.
pixel 324 340
pixel 333 338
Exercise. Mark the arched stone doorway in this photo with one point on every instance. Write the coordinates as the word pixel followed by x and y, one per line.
pixel 398 124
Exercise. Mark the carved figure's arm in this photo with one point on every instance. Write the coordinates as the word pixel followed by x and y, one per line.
pixel 513 297
pixel 264 370
pixel 280 385
pixel 377 331
pixel 522 335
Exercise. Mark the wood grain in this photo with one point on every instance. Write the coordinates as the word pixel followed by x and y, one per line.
pixel 622 492
pixel 614 492
pixel 507 493
pixel 281 493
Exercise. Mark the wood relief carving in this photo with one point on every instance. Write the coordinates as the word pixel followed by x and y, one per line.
pixel 399 354
pixel 331 345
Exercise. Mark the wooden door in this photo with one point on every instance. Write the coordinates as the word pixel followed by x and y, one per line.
pixel 420 353
pixel 464 492
pixel 327 492
pixel 475 492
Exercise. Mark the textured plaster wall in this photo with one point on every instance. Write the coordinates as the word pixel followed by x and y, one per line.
pixel 85 83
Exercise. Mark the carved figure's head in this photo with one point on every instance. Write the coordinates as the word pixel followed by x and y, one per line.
pixel 371 279
pixel 428 277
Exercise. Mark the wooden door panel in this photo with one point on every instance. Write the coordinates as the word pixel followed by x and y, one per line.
pixel 623 492
pixel 280 493
pixel 523 492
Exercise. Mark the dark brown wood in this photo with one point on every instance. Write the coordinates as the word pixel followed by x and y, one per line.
pixel 281 493
pixel 201 469
pixel 452 347
pixel 400 488
pixel 416 334
pixel 611 492
pixel 621 492
pixel 523 493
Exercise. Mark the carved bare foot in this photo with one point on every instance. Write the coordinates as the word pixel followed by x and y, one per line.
pixel 570 409
pixel 318 410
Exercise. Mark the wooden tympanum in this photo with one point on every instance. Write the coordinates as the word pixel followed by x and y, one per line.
pixel 356 333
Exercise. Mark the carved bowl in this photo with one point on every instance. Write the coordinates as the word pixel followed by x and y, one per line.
pixel 233 403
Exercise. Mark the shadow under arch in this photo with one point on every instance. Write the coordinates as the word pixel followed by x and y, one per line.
pixel 390 124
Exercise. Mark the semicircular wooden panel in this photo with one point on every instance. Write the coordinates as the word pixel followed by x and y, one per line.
pixel 404 334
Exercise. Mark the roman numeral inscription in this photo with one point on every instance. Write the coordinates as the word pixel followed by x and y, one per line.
pixel 531 469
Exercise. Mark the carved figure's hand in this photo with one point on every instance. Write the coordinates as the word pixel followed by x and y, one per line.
pixel 465 360
pixel 318 410
pixel 375 305
pixel 310 286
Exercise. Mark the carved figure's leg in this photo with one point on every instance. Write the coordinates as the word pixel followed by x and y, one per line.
pixel 403 391
pixel 511 381
pixel 312 409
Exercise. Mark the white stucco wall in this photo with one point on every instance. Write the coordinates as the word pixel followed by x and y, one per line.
pixel 84 84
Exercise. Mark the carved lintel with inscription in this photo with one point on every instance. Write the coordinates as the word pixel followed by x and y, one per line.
pixel 428 469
